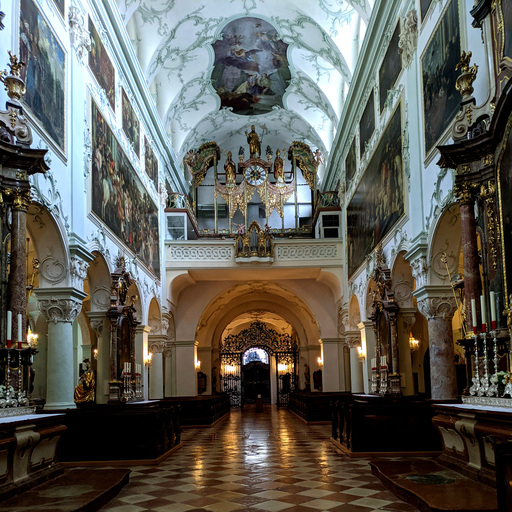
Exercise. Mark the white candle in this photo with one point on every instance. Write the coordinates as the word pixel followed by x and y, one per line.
pixel 20 326
pixel 9 325
pixel 493 306
pixel 473 312
pixel 129 367
pixel 482 309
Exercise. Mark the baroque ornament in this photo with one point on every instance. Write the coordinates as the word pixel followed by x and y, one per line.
pixel 78 33
pixel 438 307
pixel 408 37
pixel 60 310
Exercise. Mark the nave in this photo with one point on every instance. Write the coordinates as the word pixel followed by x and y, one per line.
pixel 256 461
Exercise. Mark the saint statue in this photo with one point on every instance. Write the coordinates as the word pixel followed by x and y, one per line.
pixel 84 392
pixel 278 167
pixel 230 169
pixel 254 143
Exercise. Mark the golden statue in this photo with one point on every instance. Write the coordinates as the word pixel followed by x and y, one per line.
pixel 254 143
pixel 278 167
pixel 84 392
pixel 230 169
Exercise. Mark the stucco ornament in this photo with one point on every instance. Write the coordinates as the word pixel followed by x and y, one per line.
pixel 408 37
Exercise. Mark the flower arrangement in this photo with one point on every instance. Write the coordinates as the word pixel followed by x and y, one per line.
pixel 501 379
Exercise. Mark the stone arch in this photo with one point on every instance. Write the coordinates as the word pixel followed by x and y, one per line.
pixel 99 282
pixel 402 282
pixel 134 295
pixel 154 317
pixel 354 313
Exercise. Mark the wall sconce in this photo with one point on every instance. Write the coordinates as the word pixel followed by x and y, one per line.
pixel 282 367
pixel 148 360
pixel 32 339
pixel 414 344
pixel 95 353
pixel 229 369
pixel 198 365
pixel 361 354
pixel 320 361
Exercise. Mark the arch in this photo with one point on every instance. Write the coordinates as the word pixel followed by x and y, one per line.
pixel 402 282
pixel 134 295
pixel 154 317
pixel 99 282
pixel 354 313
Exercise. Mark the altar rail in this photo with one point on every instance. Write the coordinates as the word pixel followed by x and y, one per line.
pixel 202 411
pixel 370 424
pixel 315 407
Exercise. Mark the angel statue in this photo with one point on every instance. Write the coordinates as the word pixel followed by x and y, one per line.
pixel 84 392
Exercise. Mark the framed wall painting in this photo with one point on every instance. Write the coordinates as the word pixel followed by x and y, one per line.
pixel 101 66
pixel 44 73
pixel 378 201
pixel 150 162
pixel 441 101
pixel 131 125
pixel 424 7
pixel 367 123
pixel 350 164
pixel 390 68
pixel 118 197
pixel 60 6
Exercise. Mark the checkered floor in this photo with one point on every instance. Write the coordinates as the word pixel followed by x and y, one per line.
pixel 269 461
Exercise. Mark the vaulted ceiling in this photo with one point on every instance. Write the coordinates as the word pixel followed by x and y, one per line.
pixel 216 67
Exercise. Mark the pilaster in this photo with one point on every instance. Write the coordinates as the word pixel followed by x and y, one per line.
pixel 368 341
pixel 141 352
pixel 353 340
pixel 97 320
pixel 186 356
pixel 332 354
pixel 156 372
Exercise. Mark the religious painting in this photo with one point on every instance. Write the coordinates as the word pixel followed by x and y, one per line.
pixel 378 201
pixel 131 125
pixel 251 70
pixel 44 73
pixel 367 124
pixel 101 66
pixel 441 101
pixel 151 163
pixel 60 6
pixel 390 67
pixel 350 164
pixel 505 13
pixel 424 6
pixel 119 198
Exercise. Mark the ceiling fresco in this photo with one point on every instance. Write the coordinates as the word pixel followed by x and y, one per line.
pixel 215 68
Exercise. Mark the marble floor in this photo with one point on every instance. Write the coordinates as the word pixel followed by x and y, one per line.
pixel 268 461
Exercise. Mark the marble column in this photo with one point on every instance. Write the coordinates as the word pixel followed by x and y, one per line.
pixel 438 305
pixel 60 306
pixel 141 352
pixel 17 281
pixel 405 322
pixel 102 330
pixel 367 340
pixel 332 354
pixel 170 385
pixel 156 372
pixel 353 339
pixel 472 281
pixel 186 379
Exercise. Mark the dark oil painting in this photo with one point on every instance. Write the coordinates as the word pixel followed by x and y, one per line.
pixel 251 70
pixel 350 164
pixel 131 125
pixel 118 197
pixel 441 101
pixel 151 163
pixel 390 67
pixel 424 5
pixel 44 73
pixel 506 10
pixel 101 66
pixel 367 124
pixel 378 201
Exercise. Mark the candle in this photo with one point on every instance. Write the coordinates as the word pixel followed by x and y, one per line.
pixel 483 313
pixel 9 328
pixel 20 327
pixel 493 309
pixel 473 314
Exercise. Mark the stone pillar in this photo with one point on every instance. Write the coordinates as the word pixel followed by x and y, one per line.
pixel 186 379
pixel 368 341
pixel 141 352
pixel 472 282
pixel 156 372
pixel 60 306
pixel 353 339
pixel 170 356
pixel 17 281
pixel 438 305
pixel 405 322
pixel 97 319
pixel 332 353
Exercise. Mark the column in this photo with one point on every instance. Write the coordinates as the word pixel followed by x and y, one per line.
pixel 405 322
pixel 60 306
pixel 186 379
pixel 169 385
pixel 353 340
pixel 141 352
pixel 368 341
pixel 17 281
pixel 97 319
pixel 472 282
pixel 332 353
pixel 438 305
pixel 156 372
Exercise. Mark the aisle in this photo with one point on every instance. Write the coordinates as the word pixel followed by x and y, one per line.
pixel 268 461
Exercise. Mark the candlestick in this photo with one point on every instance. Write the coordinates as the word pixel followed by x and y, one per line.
pixel 475 388
pixel 473 314
pixel 493 309
pixel 483 313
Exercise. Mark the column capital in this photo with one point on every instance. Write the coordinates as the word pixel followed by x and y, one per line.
pixel 436 302
pixel 353 339
pixel 407 316
pixel 185 343
pixel 326 341
pixel 60 304
pixel 156 344
pixel 367 324
pixel 79 261
pixel 142 329
pixel 96 319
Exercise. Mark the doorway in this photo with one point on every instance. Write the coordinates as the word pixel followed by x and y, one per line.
pixel 255 376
